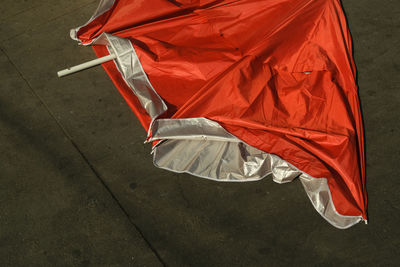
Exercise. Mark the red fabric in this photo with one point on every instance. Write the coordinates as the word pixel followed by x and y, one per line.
pixel 278 74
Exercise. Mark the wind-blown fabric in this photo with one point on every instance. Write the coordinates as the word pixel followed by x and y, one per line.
pixel 237 90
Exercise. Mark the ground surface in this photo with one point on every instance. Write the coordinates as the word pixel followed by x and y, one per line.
pixel 77 186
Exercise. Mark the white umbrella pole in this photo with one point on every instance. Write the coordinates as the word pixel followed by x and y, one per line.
pixel 86 65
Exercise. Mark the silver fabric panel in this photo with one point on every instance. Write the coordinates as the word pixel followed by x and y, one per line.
pixel 129 66
pixel 219 160
pixel 320 195
pixel 103 6
pixel 203 148
pixel 216 145
pixel 194 128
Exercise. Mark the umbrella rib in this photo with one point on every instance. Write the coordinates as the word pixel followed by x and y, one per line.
pixel 86 65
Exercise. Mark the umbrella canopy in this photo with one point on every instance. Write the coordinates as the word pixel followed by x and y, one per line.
pixel 237 90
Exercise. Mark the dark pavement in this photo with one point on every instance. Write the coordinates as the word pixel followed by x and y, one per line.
pixel 78 187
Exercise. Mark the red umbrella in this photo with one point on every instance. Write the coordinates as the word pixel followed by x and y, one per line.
pixel 238 90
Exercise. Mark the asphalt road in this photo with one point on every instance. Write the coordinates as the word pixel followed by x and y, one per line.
pixel 78 187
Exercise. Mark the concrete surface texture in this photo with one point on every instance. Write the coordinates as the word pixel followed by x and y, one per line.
pixel 78 188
